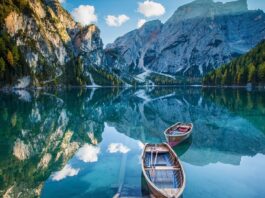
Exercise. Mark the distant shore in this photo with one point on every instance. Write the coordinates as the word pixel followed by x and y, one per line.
pixel 62 87
pixel 234 86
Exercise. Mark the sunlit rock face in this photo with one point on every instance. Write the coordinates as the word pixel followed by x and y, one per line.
pixel 199 37
pixel 67 148
pixel 92 138
pixel 51 40
pixel 89 45
pixel 45 160
pixel 20 150
pixel 65 17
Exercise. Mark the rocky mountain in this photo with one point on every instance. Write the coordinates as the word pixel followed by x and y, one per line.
pixel 42 46
pixel 199 37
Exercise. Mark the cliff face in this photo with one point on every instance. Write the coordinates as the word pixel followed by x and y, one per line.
pixel 199 37
pixel 128 52
pixel 41 45
pixel 51 41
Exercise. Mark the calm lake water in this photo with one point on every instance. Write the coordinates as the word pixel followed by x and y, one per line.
pixel 88 142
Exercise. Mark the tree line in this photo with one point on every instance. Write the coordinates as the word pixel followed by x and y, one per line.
pixel 12 63
pixel 249 68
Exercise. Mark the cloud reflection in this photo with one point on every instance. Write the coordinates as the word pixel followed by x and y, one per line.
pixel 88 153
pixel 118 147
pixel 67 171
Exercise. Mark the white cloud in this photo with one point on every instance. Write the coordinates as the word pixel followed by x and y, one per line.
pixel 118 147
pixel 67 171
pixel 151 9
pixel 116 21
pixel 88 153
pixel 140 23
pixel 61 1
pixel 84 14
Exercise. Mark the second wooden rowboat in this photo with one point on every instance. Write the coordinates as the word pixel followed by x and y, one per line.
pixel 178 132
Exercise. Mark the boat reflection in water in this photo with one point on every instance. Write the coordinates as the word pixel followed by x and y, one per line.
pixel 88 142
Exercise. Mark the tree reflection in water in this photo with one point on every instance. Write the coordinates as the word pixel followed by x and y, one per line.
pixel 42 130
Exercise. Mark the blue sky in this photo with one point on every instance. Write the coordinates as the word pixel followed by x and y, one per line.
pixel 117 17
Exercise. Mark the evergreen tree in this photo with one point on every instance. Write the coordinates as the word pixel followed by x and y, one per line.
pixel 10 58
pixel 242 76
pixel 22 4
pixel 251 73
pixel 261 72
pixel 2 47
pixel 224 78
pixel 2 66
pixel 15 54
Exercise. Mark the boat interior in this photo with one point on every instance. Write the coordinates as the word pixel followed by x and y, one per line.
pixel 162 168
pixel 179 128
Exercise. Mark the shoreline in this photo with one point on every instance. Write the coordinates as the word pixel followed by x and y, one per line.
pixel 234 86
pixel 91 87
pixel 8 89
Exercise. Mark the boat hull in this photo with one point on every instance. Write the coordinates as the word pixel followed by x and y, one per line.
pixel 174 166
pixel 174 140
pixel 154 192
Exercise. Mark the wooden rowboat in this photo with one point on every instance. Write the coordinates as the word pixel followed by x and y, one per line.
pixel 162 170
pixel 178 132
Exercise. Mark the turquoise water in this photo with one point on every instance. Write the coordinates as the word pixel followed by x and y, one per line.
pixel 88 142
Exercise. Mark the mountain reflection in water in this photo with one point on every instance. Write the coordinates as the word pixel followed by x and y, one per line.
pixel 91 139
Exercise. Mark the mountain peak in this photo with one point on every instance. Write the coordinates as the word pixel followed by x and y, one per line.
pixel 242 4
pixel 199 37
pixel 203 1
pixel 236 6
pixel 204 8
pixel 154 24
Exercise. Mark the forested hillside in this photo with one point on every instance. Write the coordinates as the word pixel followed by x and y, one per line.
pixel 12 63
pixel 41 45
pixel 249 68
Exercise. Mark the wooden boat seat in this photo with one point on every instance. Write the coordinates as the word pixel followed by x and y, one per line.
pixel 170 192
pixel 163 181
pixel 159 150
pixel 162 168
pixel 157 164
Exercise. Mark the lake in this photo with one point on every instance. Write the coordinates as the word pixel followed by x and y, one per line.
pixel 88 142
